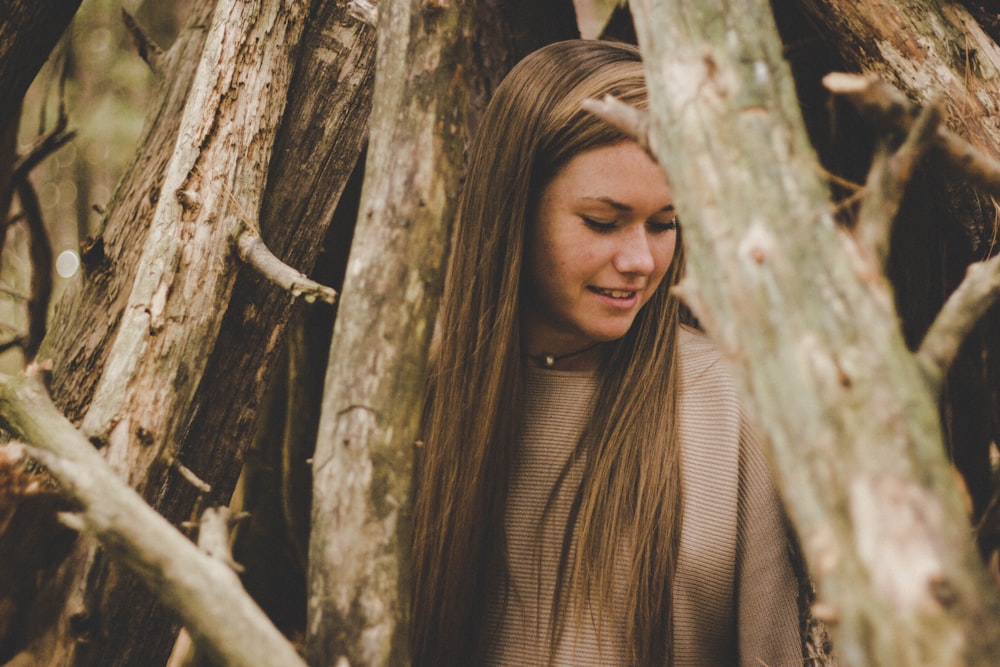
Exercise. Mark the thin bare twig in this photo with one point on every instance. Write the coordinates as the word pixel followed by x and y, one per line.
pixel 214 531
pixel 254 252
pixel 633 122
pixel 189 476
pixel 976 294
pixel 40 251
pixel 42 148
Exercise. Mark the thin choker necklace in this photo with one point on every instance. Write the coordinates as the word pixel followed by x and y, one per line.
pixel 550 360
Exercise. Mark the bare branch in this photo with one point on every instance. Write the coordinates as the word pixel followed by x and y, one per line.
pixel 189 476
pixel 977 293
pixel 633 122
pixel 213 535
pixel 887 182
pixel 204 592
pixel 44 146
pixel 40 251
pixel 885 107
pixel 253 251
pixel 148 50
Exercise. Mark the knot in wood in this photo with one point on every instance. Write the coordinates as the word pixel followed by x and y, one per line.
pixel 190 200
pixel 758 244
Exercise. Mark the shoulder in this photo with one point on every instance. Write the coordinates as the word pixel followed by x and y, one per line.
pixel 702 368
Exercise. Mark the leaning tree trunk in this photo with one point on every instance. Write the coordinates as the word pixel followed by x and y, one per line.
pixel 167 379
pixel 933 50
pixel 358 573
pixel 807 324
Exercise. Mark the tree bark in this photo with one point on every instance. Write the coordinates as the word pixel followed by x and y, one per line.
pixel 807 324
pixel 927 49
pixel 358 578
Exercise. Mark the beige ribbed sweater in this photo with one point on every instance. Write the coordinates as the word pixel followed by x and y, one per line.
pixel 735 592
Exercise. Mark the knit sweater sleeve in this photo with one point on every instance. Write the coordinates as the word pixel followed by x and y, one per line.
pixel 767 589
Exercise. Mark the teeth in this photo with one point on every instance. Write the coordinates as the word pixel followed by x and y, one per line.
pixel 616 294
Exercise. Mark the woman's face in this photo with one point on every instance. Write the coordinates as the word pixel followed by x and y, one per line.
pixel 602 241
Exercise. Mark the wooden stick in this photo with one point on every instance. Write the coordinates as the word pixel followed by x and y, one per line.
pixel 204 592
pixel 977 293
pixel 255 253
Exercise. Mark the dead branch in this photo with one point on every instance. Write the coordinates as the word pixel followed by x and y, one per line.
pixel 214 531
pixel 633 122
pixel 44 146
pixel 40 251
pixel 887 180
pixel 148 49
pixel 887 108
pixel 255 253
pixel 205 592
pixel 977 293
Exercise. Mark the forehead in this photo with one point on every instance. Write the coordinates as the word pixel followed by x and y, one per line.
pixel 621 173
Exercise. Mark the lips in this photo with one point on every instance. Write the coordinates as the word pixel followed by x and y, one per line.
pixel 614 293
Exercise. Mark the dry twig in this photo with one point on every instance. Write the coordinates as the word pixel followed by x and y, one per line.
pixel 148 49
pixel 887 182
pixel 255 253
pixel 967 304
pixel 633 122
pixel 40 251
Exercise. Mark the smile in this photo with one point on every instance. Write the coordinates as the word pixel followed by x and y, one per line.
pixel 613 293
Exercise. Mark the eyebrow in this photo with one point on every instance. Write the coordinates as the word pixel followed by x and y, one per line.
pixel 625 208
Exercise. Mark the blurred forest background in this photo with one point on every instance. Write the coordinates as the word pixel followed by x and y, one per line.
pixel 96 79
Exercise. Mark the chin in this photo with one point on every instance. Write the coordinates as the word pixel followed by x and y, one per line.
pixel 608 335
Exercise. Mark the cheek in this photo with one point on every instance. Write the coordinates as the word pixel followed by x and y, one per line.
pixel 665 250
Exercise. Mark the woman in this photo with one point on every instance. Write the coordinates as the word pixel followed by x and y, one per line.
pixel 588 492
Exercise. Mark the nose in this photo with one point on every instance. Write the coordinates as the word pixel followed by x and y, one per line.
pixel 634 255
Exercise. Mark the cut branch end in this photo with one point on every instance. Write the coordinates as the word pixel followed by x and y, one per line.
pixel 255 253
pixel 633 122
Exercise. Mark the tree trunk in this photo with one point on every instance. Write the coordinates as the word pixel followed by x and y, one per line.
pixel 808 327
pixel 358 579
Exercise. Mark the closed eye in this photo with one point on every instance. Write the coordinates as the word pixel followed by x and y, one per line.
pixel 659 227
pixel 598 225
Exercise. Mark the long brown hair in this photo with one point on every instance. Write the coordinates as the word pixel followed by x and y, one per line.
pixel 631 485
